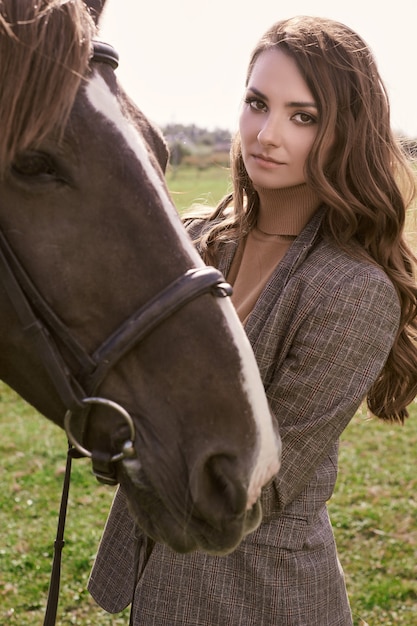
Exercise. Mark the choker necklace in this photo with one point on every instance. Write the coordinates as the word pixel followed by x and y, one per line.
pixel 285 237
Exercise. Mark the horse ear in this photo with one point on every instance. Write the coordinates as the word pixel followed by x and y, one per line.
pixel 96 7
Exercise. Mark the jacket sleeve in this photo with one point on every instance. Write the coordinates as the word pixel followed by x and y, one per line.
pixel 335 348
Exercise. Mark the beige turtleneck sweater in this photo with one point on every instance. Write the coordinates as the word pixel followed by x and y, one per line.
pixel 282 216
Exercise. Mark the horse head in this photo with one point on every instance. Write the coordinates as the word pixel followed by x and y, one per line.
pixel 110 324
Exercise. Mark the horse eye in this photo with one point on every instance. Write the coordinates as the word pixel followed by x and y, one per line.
pixel 33 165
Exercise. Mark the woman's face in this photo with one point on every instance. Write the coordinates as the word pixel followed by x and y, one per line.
pixel 278 122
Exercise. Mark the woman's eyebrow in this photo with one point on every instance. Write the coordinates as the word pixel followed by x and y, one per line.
pixel 257 92
pixel 301 104
pixel 295 103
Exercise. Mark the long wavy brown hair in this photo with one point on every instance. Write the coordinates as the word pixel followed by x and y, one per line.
pixel 45 47
pixel 367 183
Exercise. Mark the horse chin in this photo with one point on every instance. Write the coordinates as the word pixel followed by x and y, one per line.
pixel 185 532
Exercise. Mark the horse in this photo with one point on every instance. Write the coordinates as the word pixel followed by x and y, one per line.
pixel 111 326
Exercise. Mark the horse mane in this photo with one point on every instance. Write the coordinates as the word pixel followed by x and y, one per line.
pixel 45 46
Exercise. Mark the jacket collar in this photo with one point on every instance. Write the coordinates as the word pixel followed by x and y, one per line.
pixel 292 260
pixel 295 255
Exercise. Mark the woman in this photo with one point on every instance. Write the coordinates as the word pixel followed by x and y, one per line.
pixel 312 240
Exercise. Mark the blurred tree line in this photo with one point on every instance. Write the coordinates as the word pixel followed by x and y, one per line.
pixel 199 147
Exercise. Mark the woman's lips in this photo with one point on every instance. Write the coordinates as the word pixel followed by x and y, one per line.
pixel 266 161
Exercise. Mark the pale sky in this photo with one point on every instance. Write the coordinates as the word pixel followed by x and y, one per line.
pixel 185 61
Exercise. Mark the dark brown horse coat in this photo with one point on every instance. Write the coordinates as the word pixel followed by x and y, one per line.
pixel 321 332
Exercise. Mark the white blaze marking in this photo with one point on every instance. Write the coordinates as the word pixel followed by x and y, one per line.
pixel 269 452
pixel 104 101
pixel 266 464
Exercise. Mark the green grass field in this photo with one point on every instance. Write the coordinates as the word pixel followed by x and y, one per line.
pixel 190 186
pixel 374 508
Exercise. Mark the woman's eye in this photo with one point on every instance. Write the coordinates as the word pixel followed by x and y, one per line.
pixel 33 165
pixel 304 118
pixel 255 104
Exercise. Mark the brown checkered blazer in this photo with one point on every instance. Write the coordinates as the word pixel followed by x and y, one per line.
pixel 321 332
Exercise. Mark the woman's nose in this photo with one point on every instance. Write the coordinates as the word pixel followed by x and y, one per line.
pixel 270 133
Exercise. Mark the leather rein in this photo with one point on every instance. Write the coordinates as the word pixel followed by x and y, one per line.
pixel 77 391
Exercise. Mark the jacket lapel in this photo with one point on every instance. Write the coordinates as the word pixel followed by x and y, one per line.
pixel 294 257
pixel 282 274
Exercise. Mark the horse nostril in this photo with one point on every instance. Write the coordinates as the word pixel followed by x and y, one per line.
pixel 219 488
